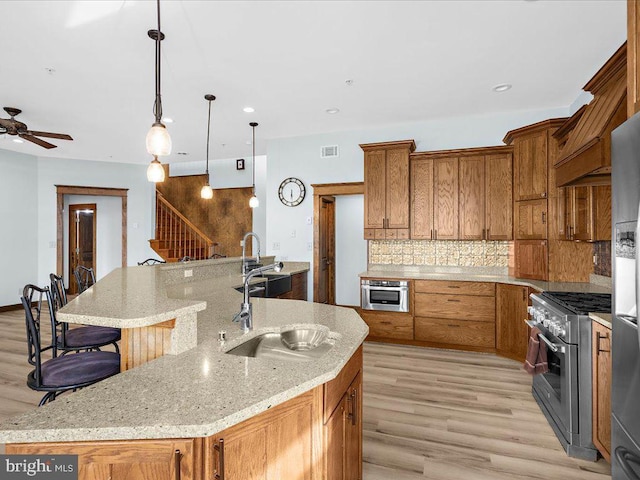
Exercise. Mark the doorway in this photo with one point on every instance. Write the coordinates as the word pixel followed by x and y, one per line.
pixel 82 239
pixel 324 237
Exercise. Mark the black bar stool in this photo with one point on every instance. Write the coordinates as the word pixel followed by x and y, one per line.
pixel 85 277
pixel 59 373
pixel 151 261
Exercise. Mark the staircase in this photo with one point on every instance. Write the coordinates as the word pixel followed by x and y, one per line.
pixel 176 236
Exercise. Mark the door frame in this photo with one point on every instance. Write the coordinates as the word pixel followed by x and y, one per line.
pixel 321 190
pixel 75 208
pixel 61 191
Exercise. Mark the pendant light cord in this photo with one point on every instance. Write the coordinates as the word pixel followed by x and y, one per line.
pixel 208 132
pixel 253 162
pixel 157 106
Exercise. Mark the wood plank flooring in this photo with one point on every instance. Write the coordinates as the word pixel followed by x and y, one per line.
pixel 448 415
pixel 428 414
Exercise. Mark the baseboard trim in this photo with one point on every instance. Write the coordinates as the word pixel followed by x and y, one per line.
pixel 10 308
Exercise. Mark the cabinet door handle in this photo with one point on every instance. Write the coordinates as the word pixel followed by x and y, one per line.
pixel 598 338
pixel 177 456
pixel 435 234
pixel 544 217
pixel 487 234
pixel 453 286
pixel 432 234
pixel 219 447
pixel 483 236
pixel 453 300
pixel 385 322
pixel 524 294
pixel 452 325
pixel 353 407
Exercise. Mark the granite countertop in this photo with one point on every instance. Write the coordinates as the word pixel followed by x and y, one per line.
pixel 603 319
pixel 203 390
pixel 480 275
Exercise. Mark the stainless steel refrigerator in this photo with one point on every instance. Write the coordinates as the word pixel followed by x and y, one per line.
pixel 625 420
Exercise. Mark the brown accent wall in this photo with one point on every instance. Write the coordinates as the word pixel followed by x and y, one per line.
pixel 225 218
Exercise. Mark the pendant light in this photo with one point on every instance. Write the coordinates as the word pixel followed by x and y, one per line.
pixel 207 191
pixel 158 140
pixel 253 201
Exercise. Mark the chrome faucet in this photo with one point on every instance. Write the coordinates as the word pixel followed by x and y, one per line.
pixel 244 249
pixel 244 316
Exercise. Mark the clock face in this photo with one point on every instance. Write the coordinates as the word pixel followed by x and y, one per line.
pixel 291 192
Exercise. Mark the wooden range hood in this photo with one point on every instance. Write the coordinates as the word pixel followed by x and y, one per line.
pixel 585 139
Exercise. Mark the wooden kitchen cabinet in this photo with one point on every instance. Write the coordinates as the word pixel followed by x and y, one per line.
pixel 127 460
pixel 445 199
pixel 388 325
pixel 298 287
pixel 422 198
pixel 530 166
pixel 386 189
pixel 601 396
pixel 586 213
pixel 531 259
pixel 633 60
pixel 531 219
pixel 512 334
pixel 453 314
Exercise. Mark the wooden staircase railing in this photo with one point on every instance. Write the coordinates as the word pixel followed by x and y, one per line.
pixel 176 236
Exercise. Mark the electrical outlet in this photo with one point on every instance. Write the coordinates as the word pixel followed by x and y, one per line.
pixel 276 246
pixel 309 220
pixel 135 225
pixel 52 244
pixel 293 234
pixel 188 273
pixel 309 246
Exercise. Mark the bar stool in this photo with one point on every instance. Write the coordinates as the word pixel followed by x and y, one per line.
pixel 85 277
pixel 151 261
pixel 59 373
pixel 81 338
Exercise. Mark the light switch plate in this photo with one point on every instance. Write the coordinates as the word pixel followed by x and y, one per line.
pixel 188 273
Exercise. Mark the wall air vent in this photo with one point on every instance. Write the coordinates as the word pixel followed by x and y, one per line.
pixel 329 151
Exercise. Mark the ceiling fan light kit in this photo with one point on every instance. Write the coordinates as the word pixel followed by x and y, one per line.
pixel 158 141
pixel 207 192
pixel 253 201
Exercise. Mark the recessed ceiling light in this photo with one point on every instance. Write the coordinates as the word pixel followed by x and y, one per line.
pixel 18 140
pixel 349 82
pixel 332 111
pixel 167 119
pixel 503 87
pixel 248 109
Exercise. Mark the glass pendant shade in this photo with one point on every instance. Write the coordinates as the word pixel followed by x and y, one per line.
pixel 155 172
pixel 254 202
pixel 206 192
pixel 158 140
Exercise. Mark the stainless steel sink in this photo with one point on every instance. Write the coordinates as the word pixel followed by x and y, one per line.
pixel 298 345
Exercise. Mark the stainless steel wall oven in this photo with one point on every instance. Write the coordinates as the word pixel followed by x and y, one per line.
pixel 385 295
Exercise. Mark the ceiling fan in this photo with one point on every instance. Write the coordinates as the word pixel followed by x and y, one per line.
pixel 11 126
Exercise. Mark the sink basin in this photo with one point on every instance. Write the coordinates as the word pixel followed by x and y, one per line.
pixel 298 345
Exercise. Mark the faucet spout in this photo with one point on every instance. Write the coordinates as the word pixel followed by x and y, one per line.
pixel 245 315
pixel 244 249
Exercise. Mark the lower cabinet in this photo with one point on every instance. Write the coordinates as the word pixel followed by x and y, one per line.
pixel 389 325
pixel 512 334
pixel 601 399
pixel 532 259
pixel 298 287
pixel 126 460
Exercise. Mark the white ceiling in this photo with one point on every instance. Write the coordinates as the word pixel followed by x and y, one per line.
pixel 409 61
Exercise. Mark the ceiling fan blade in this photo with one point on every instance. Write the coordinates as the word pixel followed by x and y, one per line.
pixel 61 136
pixel 37 141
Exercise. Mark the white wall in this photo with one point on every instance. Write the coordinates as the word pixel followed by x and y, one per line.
pixel 108 233
pixel 351 248
pixel 18 216
pixel 140 198
pixel 300 157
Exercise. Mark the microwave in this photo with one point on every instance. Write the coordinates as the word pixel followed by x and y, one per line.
pixel 385 295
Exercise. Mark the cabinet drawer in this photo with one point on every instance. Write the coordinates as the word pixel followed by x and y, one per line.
pixel 457 288
pixel 456 307
pixel 389 325
pixel 456 332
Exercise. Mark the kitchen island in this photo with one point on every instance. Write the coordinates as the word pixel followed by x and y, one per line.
pixel 174 413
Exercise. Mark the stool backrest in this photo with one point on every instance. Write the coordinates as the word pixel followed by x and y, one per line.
pixel 85 277
pixel 58 292
pixel 151 261
pixel 33 301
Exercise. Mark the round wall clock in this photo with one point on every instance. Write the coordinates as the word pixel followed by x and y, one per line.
pixel 291 192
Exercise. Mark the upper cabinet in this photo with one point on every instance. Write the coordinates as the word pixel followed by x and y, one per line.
pixel 386 189
pixel 531 166
pixel 586 213
pixel 585 155
pixel 633 62
pixel 462 194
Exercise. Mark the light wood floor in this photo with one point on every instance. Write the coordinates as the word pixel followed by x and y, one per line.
pixel 428 414
pixel 448 415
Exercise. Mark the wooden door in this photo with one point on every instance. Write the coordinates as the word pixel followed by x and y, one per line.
pixel 334 440
pixel 530 163
pixel 531 219
pixel 499 197
pixel 582 213
pixel 82 240
pixel 532 259
pixel 512 334
pixel 397 188
pixel 445 199
pixel 422 199
pixel 375 189
pixel 127 459
pixel 601 401
pixel 472 198
pixel 353 432
pixel 327 246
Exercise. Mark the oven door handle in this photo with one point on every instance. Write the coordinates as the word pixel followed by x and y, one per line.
pixel 554 347
pixel 392 289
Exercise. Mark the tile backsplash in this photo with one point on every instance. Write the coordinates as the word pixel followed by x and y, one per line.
pixel 602 257
pixel 439 252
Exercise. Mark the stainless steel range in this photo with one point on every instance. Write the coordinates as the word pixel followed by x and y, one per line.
pixel 564 392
